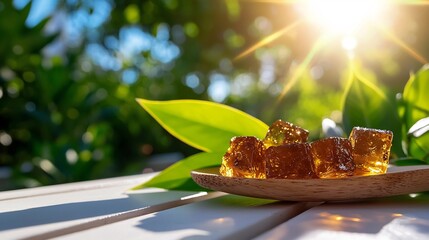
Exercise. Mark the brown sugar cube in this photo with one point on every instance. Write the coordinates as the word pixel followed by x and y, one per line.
pixel 332 157
pixel 292 160
pixel 281 132
pixel 371 150
pixel 244 158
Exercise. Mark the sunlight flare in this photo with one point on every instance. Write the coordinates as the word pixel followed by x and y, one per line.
pixel 341 16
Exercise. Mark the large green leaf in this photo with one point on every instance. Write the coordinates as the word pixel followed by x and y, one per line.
pixel 204 125
pixel 416 107
pixel 366 105
pixel 178 177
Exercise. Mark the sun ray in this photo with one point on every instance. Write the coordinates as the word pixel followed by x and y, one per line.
pixel 293 78
pixel 268 39
pixel 392 37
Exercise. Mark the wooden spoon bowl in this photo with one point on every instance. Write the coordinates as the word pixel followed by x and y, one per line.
pixel 397 181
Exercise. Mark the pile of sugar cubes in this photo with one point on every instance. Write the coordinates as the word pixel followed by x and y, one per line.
pixel 286 153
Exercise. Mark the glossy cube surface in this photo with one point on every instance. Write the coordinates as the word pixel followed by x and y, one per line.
pixel 281 132
pixel 244 158
pixel 370 150
pixel 292 160
pixel 333 157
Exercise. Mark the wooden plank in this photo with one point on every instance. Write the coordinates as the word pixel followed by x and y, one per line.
pixel 58 208
pixel 226 217
pixel 389 218
pixel 77 186
pixel 113 218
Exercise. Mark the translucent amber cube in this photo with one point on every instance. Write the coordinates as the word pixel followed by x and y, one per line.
pixel 281 132
pixel 244 158
pixel 371 150
pixel 332 157
pixel 292 160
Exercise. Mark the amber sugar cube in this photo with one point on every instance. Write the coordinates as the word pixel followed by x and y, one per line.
pixel 244 158
pixel 332 157
pixel 371 150
pixel 292 160
pixel 281 132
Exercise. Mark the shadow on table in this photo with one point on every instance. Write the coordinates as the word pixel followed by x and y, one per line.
pixel 83 210
pixel 388 218
pixel 226 217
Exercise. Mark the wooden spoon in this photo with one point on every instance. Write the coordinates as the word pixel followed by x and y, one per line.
pixel 397 181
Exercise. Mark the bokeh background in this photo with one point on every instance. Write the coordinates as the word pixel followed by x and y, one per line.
pixel 70 71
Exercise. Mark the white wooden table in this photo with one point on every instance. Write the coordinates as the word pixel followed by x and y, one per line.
pixel 105 209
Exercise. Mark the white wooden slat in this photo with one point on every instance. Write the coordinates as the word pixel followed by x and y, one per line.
pixel 112 218
pixel 77 186
pixel 30 216
pixel 387 219
pixel 226 217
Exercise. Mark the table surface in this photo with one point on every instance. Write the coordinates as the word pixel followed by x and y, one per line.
pixel 106 209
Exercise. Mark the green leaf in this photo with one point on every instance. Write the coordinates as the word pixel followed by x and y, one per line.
pixel 178 177
pixel 365 105
pixel 415 107
pixel 204 125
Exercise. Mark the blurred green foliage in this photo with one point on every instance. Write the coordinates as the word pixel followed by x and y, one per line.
pixel 68 82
